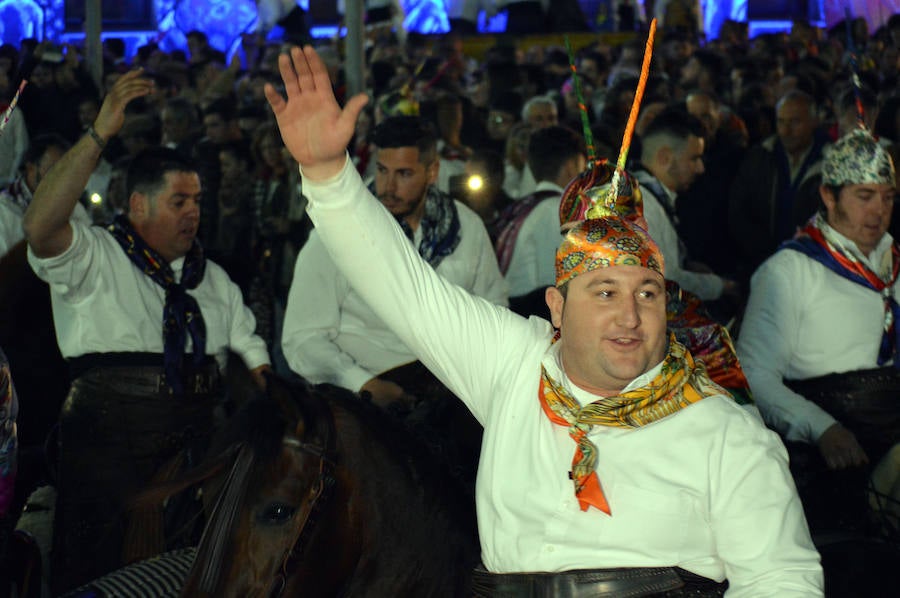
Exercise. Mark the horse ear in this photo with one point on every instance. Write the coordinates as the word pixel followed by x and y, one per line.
pixel 282 393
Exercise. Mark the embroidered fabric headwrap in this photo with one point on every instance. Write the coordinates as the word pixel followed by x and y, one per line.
pixel 590 189
pixel 440 226
pixel 605 238
pixel 181 313
pixel 857 159
pixel 680 383
pixel 603 242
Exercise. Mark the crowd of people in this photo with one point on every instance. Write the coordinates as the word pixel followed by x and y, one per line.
pixel 763 175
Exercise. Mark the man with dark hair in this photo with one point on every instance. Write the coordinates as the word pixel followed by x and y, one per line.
pixel 776 187
pixel 43 152
pixel 529 229
pixel 220 127
pixel 144 321
pixel 179 125
pixel 220 122
pixel 672 157
pixel 330 334
pixel 819 338
pixel 611 463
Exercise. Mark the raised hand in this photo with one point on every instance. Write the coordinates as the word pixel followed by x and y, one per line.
pixel 129 86
pixel 313 126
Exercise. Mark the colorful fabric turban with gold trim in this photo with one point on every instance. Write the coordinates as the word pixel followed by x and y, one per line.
pixel 591 187
pixel 604 242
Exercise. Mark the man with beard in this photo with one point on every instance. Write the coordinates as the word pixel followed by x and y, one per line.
pixel 330 334
pixel 672 157
pixel 818 341
pixel 129 301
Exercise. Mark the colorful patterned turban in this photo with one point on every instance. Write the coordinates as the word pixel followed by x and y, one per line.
pixel 857 159
pixel 604 242
pixel 592 186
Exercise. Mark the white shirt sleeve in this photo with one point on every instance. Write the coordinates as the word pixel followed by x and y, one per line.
pixel 455 334
pixel 70 273
pixel 242 337
pixel 768 340
pixel 705 285
pixel 760 531
pixel 312 321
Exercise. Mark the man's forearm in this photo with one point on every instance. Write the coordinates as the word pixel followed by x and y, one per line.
pixel 47 218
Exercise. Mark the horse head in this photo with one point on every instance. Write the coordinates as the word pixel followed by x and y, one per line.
pixel 324 496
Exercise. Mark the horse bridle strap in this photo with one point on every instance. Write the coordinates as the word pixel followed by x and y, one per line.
pixel 223 515
pixel 319 493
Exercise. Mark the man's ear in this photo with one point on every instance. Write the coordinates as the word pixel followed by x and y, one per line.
pixel 432 170
pixel 138 205
pixel 555 301
pixel 828 198
pixel 664 156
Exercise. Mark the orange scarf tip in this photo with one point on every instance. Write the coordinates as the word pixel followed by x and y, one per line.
pixel 591 494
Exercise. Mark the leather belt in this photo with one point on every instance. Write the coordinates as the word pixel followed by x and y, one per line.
pixel 151 380
pixel 627 582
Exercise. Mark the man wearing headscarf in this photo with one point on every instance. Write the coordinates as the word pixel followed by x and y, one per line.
pixel 605 445
pixel 819 337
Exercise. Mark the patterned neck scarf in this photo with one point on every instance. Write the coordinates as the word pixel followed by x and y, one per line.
pixel 440 226
pixel 680 383
pixel 819 242
pixel 181 313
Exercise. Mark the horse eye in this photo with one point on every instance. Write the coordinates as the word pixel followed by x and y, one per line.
pixel 276 514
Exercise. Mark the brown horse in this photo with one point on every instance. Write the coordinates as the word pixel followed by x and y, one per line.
pixel 328 496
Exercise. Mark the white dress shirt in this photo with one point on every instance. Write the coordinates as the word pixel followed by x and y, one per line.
pixel 706 488
pixel 533 262
pixel 804 321
pixel 707 286
pixel 331 335
pixel 518 183
pixel 102 303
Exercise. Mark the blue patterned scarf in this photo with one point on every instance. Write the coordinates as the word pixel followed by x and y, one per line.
pixel 816 241
pixel 181 313
pixel 440 226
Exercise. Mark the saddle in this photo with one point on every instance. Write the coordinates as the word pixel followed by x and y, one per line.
pixel 865 401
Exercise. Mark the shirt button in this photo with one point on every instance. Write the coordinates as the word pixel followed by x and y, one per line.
pixel 550 549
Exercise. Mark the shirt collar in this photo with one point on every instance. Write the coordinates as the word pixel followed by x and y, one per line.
pixel 876 259
pixel 548 186
pixel 553 364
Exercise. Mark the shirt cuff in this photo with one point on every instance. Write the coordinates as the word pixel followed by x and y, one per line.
pixel 355 378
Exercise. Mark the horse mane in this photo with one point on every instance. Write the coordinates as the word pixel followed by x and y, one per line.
pixel 398 439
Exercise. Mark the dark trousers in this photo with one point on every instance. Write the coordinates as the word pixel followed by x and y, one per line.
pixel 115 434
